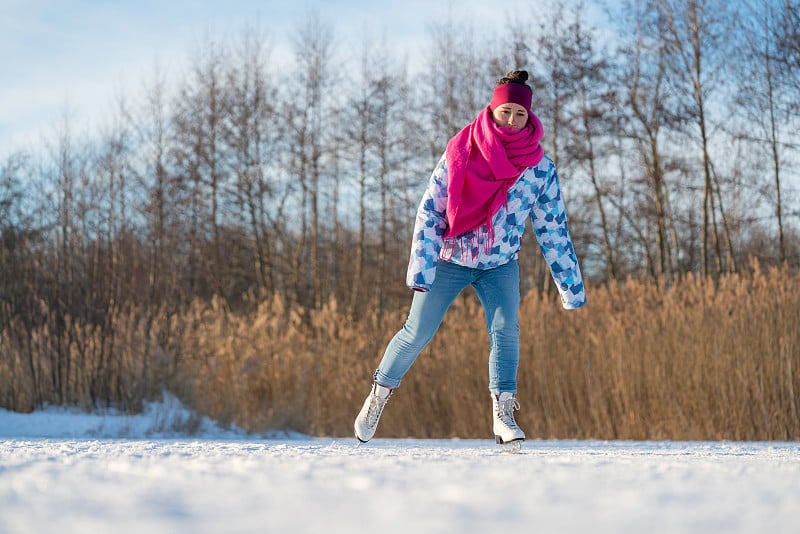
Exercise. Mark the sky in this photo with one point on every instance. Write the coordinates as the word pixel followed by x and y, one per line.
pixel 72 59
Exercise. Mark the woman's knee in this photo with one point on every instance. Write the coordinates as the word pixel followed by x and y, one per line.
pixel 413 336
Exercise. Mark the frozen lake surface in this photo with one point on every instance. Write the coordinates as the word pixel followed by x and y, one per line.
pixel 223 481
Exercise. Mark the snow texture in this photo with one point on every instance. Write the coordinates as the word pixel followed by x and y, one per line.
pixel 65 471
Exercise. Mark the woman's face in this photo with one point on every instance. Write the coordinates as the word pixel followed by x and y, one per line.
pixel 510 115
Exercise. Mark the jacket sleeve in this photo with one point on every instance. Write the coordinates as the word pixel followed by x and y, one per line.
pixel 549 219
pixel 429 228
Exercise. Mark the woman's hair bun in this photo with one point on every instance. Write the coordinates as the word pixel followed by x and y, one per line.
pixel 518 75
pixel 515 76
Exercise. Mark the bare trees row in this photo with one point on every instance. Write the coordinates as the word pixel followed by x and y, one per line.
pixel 675 139
pixel 670 127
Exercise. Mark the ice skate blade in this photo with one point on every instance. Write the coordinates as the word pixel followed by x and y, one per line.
pixel 509 447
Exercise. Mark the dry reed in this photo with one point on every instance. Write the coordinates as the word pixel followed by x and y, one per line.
pixel 701 360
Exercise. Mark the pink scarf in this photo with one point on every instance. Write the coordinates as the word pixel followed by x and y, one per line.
pixel 484 160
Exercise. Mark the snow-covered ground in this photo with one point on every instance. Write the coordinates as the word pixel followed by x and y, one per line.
pixel 63 471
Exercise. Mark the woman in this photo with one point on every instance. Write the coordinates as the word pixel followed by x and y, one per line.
pixel 468 231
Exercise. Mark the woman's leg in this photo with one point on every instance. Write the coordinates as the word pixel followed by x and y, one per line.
pixel 424 318
pixel 498 291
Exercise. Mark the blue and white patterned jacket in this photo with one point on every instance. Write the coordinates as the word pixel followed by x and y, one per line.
pixel 536 194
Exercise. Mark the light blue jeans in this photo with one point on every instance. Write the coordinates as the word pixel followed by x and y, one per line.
pixel 498 291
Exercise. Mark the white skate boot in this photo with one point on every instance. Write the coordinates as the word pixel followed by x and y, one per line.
pixel 506 431
pixel 367 420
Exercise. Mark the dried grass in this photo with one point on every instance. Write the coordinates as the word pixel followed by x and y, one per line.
pixel 700 361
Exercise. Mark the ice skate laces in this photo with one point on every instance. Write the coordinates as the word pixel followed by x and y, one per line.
pixel 505 411
pixel 376 404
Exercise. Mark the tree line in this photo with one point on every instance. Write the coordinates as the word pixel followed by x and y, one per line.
pixel 248 177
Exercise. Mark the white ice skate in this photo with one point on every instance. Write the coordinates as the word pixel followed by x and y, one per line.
pixel 506 431
pixel 367 420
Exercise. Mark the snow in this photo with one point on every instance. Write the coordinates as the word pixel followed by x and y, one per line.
pixel 67 471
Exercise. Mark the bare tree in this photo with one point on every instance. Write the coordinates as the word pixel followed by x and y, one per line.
pixel 694 33
pixel 377 144
pixel 761 96
pixel 13 227
pixel 457 80
pixel 647 112
pixel 152 185
pixel 106 238
pixel 390 145
pixel 409 173
pixel 788 43
pixel 591 119
pixel 309 119
pixel 254 145
pixel 64 171
pixel 553 56
pixel 18 291
pixel 153 180
pixel 361 137
pixel 198 153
